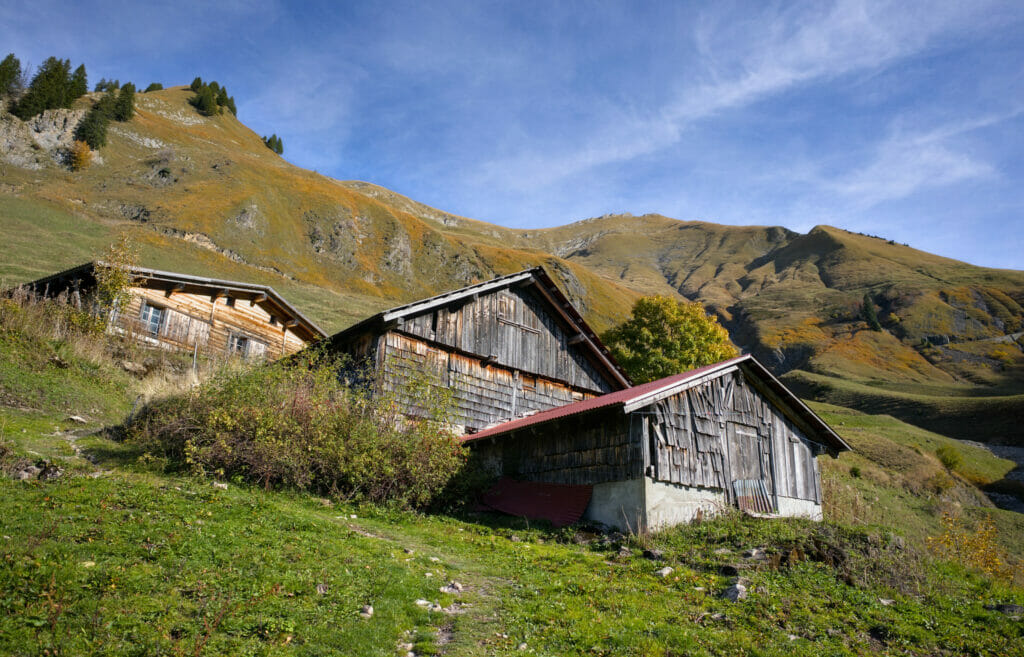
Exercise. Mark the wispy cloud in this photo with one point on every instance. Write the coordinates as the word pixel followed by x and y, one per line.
pixel 742 62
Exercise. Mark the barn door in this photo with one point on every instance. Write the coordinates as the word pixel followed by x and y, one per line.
pixel 749 479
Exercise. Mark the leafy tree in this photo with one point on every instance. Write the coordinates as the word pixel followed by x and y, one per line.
pixel 79 83
pixel 870 316
pixel 50 89
pixel 81 155
pixel 153 86
pixel 113 275
pixel 196 85
pixel 10 75
pixel 205 102
pixel 665 336
pixel 124 106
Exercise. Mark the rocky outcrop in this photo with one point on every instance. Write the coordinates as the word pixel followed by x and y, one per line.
pixel 42 140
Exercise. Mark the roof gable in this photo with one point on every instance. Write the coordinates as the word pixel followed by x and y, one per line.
pixel 551 298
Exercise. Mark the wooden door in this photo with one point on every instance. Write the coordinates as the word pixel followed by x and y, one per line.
pixel 747 472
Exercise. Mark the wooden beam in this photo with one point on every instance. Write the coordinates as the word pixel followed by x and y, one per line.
pixel 576 339
pixel 180 287
pixel 260 298
pixel 218 294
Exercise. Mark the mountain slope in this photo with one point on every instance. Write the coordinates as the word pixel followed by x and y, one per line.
pixel 204 195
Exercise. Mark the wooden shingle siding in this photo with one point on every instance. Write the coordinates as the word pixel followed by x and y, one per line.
pixel 571 452
pixel 192 319
pixel 482 394
pixel 514 327
pixel 724 430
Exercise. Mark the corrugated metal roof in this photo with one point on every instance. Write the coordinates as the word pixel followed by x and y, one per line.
pixel 560 504
pixel 617 398
pixel 648 393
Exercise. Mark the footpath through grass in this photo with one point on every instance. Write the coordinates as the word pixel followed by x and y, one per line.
pixel 132 562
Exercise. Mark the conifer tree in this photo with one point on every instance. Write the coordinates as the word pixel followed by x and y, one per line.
pixel 93 128
pixel 231 105
pixel 205 102
pixel 50 89
pixel 153 86
pixel 79 83
pixel 197 84
pixel 124 106
pixel 10 75
pixel 222 97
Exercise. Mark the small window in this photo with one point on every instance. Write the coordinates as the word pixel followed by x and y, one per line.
pixel 229 302
pixel 506 308
pixel 238 344
pixel 273 320
pixel 152 318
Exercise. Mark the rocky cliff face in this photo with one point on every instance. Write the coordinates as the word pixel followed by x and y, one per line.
pixel 41 140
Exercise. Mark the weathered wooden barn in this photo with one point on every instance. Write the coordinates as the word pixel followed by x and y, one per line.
pixel 192 313
pixel 507 347
pixel 666 452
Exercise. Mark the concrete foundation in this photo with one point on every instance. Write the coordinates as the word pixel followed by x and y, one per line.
pixel 618 504
pixel 638 505
pixel 795 508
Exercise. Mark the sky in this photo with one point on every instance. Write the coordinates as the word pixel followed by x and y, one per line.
pixel 899 119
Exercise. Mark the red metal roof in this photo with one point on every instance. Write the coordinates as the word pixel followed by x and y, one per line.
pixel 561 504
pixel 616 398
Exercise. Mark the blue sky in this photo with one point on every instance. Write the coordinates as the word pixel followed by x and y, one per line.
pixel 900 119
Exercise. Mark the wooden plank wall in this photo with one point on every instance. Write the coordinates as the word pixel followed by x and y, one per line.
pixel 589 449
pixel 519 330
pixel 197 318
pixel 689 440
pixel 482 394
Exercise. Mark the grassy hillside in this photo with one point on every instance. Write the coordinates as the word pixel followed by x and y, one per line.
pixel 116 557
pixel 204 195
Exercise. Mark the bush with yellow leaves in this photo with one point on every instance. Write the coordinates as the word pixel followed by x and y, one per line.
pixel 81 155
pixel 974 548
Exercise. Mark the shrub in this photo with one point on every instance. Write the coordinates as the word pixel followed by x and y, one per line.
pixel 81 155
pixel 950 457
pixel 870 316
pixel 153 86
pixel 298 426
pixel 974 548
pixel 855 472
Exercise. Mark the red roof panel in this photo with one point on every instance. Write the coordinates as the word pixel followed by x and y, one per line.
pixel 561 504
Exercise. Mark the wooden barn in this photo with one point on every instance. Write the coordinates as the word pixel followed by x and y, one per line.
pixel 192 313
pixel 665 452
pixel 507 347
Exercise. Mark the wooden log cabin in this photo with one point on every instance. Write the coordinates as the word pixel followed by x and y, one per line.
pixel 507 347
pixel 667 452
pixel 192 313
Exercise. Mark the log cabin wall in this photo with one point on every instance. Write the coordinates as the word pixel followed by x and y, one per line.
pixel 724 430
pixel 482 394
pixel 216 324
pixel 518 330
pixel 582 450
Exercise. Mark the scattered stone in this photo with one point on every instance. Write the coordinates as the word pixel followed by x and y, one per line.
pixel 898 542
pixel 654 555
pixel 718 616
pixel 220 485
pixel 326 502
pixel 88 564
pixel 738 590
pixel 699 589
pixel 435 559
pixel 1008 609
pixel 79 419
pixel 792 637
pixel 452 587
pixel 29 472
pixel 133 367
pixel 322 588
pixel 428 574
pixel 409 551
pixel 514 538
pixel 625 552
pixel 49 470
pixel 59 362
pixel 422 603
pixel 886 602
pixel 664 572
pixel 755 553
pixel 522 646
pixel 366 611
pixel 723 550
pixel 353 516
